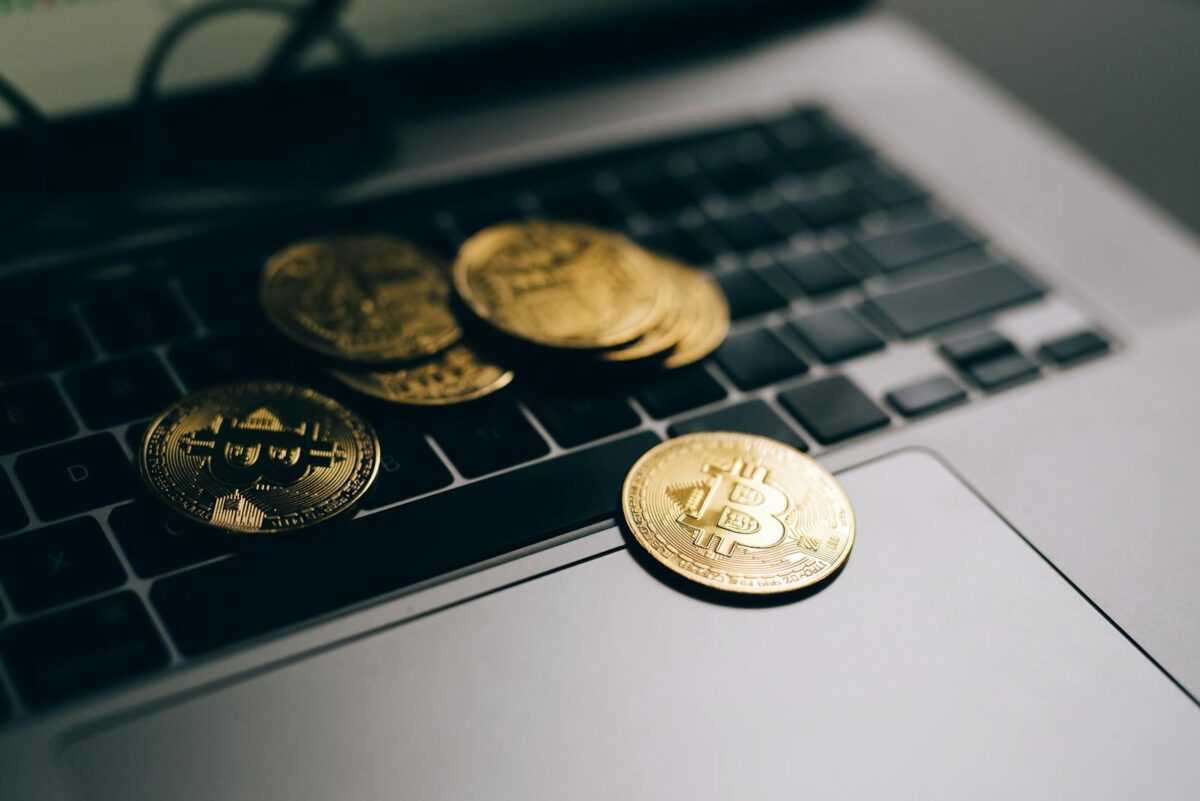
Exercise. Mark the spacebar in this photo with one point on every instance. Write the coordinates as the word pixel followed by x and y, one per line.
pixel 261 591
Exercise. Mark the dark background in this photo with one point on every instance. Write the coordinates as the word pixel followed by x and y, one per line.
pixel 1119 77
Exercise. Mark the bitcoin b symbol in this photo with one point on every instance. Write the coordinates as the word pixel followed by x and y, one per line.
pixel 733 506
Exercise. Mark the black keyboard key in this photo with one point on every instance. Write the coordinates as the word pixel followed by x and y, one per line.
pixel 833 409
pixel 655 189
pixel 885 185
pixel 753 359
pixel 833 208
pixel 5 707
pixel 134 434
pixel 55 564
pixel 136 318
pixel 746 229
pixel 1069 349
pixel 226 298
pixel 40 344
pixel 120 390
pixel 836 334
pixel 223 359
pixel 740 163
pixel 84 649
pixel 407 467
pixel 811 141
pixel 253 594
pixel 964 351
pixel 927 395
pixel 818 273
pixel 32 413
pixel 574 418
pixel 678 391
pixel 12 513
pixel 1003 372
pixel 576 204
pixel 488 438
pixel 73 477
pixel 155 544
pixel 750 417
pixel 895 250
pixel 748 294
pixel 694 245
pixel 915 310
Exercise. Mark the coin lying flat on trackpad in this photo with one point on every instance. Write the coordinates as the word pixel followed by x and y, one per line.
pixel 738 512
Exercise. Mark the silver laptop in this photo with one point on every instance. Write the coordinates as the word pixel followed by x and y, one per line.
pixel 991 341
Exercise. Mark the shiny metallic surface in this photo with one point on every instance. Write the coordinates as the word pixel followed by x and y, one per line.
pixel 259 459
pixel 456 375
pixel 738 513
pixel 363 299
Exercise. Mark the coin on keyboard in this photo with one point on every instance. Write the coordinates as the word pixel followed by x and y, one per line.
pixel 260 458
pixel 364 299
pixel 457 375
pixel 560 285
pixel 669 330
pixel 738 512
pixel 704 325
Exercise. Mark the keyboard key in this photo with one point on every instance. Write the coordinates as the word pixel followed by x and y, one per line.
pixel 738 163
pixel 915 310
pixel 490 437
pixel 1069 349
pixel 73 477
pixel 753 359
pixel 223 359
pixel 136 318
pixel 818 273
pixel 121 390
pixel 55 564
pixel 836 334
pixel 40 344
pixel 82 650
pixel 678 391
pixel 895 250
pixel 225 298
pixel 750 417
pixel 833 208
pixel 134 434
pixel 407 466
pixel 574 418
pixel 927 395
pixel 155 544
pixel 833 409
pixel 811 141
pixel 970 349
pixel 5 707
pixel 884 184
pixel 748 294
pixel 747 230
pixel 575 204
pixel 32 413
pixel 657 191
pixel 1003 372
pixel 255 593
pixel 694 245
pixel 12 513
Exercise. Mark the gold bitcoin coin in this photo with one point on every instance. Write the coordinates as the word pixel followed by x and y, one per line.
pixel 738 512
pixel 367 299
pixel 561 285
pixel 457 375
pixel 259 458
pixel 669 330
pixel 705 324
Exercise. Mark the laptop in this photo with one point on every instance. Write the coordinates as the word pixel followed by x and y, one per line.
pixel 986 337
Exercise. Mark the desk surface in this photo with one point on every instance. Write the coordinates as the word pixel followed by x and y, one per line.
pixel 1119 77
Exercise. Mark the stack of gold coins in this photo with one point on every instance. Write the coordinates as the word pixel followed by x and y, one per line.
pixel 377 310
pixel 576 291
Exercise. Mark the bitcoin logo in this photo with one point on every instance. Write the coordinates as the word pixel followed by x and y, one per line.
pixel 259 458
pixel 738 512
pixel 737 508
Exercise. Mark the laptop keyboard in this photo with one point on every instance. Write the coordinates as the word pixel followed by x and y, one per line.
pixel 826 253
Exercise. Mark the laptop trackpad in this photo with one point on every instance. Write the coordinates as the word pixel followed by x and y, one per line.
pixel 946 661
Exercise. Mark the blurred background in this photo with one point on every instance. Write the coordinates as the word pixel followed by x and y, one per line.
pixel 1119 77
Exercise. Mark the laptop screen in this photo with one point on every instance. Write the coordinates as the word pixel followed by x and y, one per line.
pixel 71 56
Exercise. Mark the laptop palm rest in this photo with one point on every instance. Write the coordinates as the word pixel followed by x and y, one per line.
pixel 948 660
